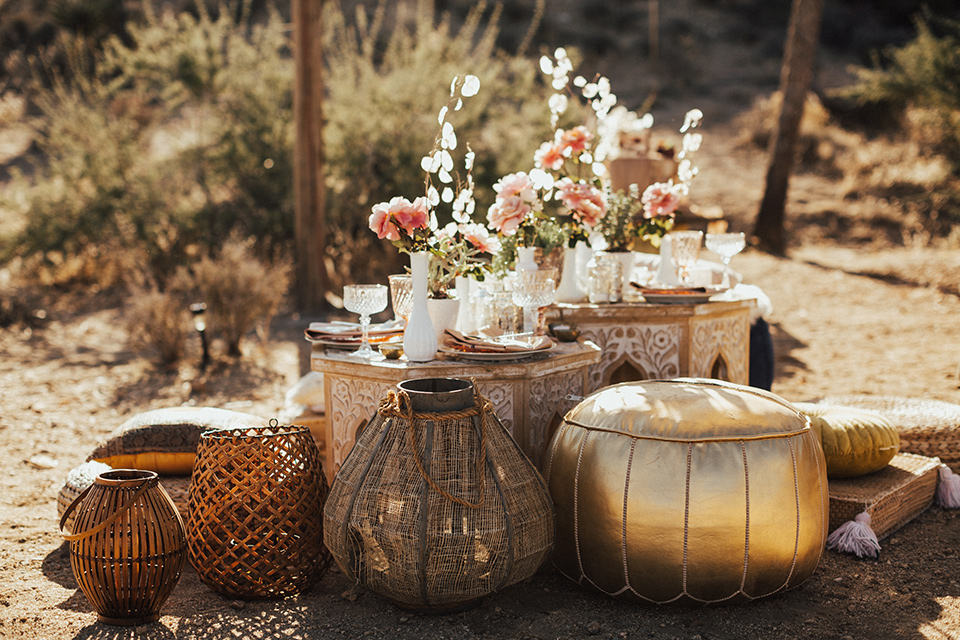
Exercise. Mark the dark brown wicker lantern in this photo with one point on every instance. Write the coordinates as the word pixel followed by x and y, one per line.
pixel 436 505
pixel 128 545
pixel 255 525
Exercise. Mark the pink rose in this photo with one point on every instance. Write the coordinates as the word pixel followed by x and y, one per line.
pixel 585 201
pixel 409 215
pixel 576 140
pixel 660 200
pixel 549 156
pixel 480 238
pixel 516 184
pixel 382 224
pixel 506 214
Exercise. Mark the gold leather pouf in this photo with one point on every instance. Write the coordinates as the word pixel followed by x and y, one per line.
pixel 687 490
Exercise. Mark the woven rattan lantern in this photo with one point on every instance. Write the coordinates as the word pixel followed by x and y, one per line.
pixel 692 491
pixel 128 546
pixel 255 525
pixel 436 506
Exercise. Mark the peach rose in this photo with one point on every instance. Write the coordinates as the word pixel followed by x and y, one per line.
pixel 585 202
pixel 659 200
pixel 576 140
pixel 506 214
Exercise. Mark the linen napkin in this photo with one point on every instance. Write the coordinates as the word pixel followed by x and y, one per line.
pixel 350 331
pixel 458 341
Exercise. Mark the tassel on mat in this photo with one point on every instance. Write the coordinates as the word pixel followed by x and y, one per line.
pixel 948 489
pixel 855 537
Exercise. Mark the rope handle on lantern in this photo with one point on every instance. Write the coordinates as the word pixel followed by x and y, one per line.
pixel 398 405
pixel 73 537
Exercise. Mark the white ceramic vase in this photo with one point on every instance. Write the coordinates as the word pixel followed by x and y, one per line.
pixel 466 318
pixel 419 337
pixel 525 259
pixel 627 260
pixel 443 315
pixel 569 288
pixel 667 271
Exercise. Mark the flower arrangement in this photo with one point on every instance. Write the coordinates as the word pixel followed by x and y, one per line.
pixel 413 227
pixel 567 169
pixel 651 215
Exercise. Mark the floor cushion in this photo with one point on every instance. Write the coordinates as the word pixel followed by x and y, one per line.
pixel 165 440
pixel 855 441
pixel 687 490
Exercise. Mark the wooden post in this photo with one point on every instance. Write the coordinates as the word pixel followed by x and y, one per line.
pixel 795 78
pixel 309 192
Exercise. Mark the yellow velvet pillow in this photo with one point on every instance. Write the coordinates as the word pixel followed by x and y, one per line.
pixel 165 440
pixel 855 441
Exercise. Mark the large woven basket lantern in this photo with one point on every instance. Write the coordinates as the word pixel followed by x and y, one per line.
pixel 255 524
pixel 436 506
pixel 687 490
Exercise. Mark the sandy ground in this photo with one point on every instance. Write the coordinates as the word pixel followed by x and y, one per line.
pixel 69 382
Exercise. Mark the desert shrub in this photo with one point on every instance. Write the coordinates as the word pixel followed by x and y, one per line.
pixel 167 145
pixel 158 319
pixel 921 79
pixel 241 291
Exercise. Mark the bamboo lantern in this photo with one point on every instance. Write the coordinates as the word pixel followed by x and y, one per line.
pixel 436 506
pixel 128 546
pixel 255 524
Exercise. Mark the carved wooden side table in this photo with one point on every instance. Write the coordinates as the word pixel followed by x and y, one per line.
pixel 642 341
pixel 529 395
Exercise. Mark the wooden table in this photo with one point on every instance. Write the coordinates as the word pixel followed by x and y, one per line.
pixel 642 341
pixel 529 395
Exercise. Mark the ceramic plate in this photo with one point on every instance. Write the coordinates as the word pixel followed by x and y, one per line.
pixel 481 356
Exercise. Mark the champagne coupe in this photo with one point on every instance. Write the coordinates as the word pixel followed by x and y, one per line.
pixel 532 290
pixel 726 245
pixel 365 299
pixel 686 249
pixel 401 295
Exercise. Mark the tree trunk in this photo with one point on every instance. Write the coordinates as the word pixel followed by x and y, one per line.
pixel 795 78
pixel 309 192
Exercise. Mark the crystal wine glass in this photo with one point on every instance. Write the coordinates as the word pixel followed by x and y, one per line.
pixel 532 290
pixel 401 295
pixel 365 299
pixel 726 245
pixel 686 249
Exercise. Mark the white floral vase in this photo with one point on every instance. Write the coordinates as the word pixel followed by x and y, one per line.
pixel 443 314
pixel 525 259
pixel 627 261
pixel 466 318
pixel 419 337
pixel 667 270
pixel 569 288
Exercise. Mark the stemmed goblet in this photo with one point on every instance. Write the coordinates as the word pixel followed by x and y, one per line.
pixel 726 245
pixel 365 299
pixel 686 249
pixel 532 290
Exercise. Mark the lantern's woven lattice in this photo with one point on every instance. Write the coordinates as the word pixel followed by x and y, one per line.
pixel 255 525
pixel 128 546
pixel 436 506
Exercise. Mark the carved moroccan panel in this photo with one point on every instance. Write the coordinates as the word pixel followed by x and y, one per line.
pixel 548 405
pixel 352 403
pixel 653 349
pixel 726 338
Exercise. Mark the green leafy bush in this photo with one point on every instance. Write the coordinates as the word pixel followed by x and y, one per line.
pixel 164 144
pixel 241 291
pixel 922 80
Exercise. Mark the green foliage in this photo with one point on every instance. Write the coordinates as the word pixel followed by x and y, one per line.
pixel 921 78
pixel 165 146
pixel 165 142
